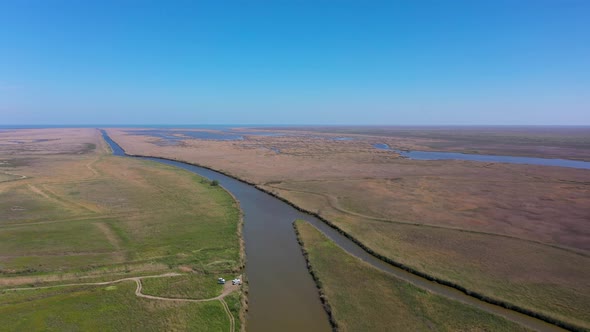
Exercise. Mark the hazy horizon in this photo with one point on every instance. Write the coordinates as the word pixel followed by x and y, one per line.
pixel 410 63
pixel 251 125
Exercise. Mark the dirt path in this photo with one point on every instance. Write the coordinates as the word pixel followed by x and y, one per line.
pixel 88 217
pixel 41 192
pixel 61 201
pixel 232 323
pixel 113 239
pixel 94 283
pixel 228 289
pixel 91 168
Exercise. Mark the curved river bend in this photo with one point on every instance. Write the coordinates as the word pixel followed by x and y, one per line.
pixel 282 295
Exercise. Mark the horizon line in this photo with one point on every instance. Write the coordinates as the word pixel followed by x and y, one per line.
pixel 82 125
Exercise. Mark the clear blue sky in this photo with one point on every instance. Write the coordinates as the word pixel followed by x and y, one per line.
pixel 295 62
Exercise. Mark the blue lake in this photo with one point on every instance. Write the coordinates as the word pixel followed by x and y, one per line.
pixel 433 155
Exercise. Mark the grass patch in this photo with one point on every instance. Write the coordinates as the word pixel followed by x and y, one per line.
pixel 65 237
pixel 534 276
pixel 160 215
pixel 20 204
pixel 96 308
pixel 234 305
pixel 189 286
pixel 171 216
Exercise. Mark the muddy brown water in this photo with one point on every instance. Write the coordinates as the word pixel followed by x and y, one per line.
pixel 282 295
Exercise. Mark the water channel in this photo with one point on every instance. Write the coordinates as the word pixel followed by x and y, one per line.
pixel 436 155
pixel 282 295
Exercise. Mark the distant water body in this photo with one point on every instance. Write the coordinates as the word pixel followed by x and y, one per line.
pixel 192 126
pixel 433 155
pixel 226 132
pixel 172 137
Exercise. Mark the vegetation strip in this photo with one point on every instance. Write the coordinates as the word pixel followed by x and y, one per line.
pixel 468 292
pixel 316 279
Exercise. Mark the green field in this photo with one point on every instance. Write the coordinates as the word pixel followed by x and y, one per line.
pixel 190 286
pixel 386 303
pixel 104 308
pixel 137 212
pixel 92 217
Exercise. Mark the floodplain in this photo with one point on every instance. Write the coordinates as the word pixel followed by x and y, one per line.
pixel 518 234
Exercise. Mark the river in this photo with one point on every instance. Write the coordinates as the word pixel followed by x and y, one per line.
pixel 282 295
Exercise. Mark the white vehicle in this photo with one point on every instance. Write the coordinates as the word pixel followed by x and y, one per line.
pixel 236 282
pixel 220 281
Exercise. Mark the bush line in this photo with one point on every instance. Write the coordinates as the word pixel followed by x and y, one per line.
pixel 317 281
pixel 242 265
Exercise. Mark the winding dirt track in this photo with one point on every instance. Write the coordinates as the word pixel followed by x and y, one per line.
pixel 226 291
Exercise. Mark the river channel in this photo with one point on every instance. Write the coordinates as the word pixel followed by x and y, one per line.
pixel 436 155
pixel 282 295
